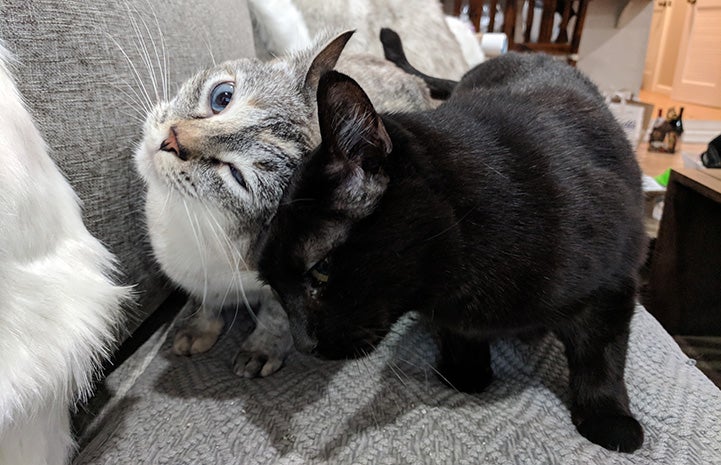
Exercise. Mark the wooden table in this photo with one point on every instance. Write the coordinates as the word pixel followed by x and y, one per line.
pixel 684 288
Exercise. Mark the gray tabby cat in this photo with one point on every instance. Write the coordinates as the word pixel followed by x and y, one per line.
pixel 216 159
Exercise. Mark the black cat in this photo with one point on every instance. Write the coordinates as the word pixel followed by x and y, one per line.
pixel 516 205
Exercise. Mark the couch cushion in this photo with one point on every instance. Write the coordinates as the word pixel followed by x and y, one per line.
pixel 390 408
pixel 77 71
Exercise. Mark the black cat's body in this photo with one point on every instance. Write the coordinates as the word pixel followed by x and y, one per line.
pixel 515 205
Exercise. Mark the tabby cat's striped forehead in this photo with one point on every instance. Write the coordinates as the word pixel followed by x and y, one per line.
pixel 273 85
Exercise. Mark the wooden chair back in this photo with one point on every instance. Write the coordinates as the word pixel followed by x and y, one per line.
pixel 563 44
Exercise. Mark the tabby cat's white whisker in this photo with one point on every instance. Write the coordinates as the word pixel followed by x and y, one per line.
pixel 164 64
pixel 136 74
pixel 210 50
pixel 200 250
pixel 232 261
pixel 134 98
pixel 204 245
pixel 133 104
pixel 167 200
pixel 131 115
pixel 157 55
pixel 142 50
pixel 239 256
pixel 133 112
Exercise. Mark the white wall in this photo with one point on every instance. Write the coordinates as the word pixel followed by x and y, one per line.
pixel 614 58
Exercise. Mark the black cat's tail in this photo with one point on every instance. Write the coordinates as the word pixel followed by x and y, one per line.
pixel 393 50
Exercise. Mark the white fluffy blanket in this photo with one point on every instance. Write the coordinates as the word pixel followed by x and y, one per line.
pixel 59 308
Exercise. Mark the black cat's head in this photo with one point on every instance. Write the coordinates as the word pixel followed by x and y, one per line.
pixel 324 271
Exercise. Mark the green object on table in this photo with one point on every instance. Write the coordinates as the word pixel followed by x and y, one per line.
pixel 663 177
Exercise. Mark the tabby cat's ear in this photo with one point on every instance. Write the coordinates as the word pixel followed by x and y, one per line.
pixel 350 127
pixel 325 60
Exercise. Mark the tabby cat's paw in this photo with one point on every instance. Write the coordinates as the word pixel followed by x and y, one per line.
pixel 191 339
pixel 616 432
pixel 264 352
pixel 254 364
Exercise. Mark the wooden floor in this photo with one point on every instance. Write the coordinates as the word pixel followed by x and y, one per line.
pixel 653 163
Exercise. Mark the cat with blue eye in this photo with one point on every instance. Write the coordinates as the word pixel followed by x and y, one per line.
pixel 513 207
pixel 215 160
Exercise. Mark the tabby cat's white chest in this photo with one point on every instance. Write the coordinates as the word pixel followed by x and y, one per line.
pixel 191 243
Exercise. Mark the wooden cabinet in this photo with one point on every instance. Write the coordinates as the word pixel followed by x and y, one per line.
pixel 684 288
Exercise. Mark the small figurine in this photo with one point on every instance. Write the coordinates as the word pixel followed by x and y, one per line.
pixel 666 132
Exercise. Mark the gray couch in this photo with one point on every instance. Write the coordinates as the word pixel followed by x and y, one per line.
pixel 388 408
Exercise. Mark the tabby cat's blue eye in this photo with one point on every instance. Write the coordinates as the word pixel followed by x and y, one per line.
pixel 220 96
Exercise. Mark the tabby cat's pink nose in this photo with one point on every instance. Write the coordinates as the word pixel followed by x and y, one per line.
pixel 170 144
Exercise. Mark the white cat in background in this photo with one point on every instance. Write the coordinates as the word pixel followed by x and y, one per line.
pixel 59 308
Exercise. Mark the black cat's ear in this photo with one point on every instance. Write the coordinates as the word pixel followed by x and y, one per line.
pixel 325 60
pixel 356 144
pixel 349 125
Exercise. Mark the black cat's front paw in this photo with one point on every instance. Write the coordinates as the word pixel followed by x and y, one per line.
pixel 617 432
pixel 465 362
pixel 470 379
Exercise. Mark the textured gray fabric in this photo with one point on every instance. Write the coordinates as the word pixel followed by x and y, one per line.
pixel 83 93
pixel 390 408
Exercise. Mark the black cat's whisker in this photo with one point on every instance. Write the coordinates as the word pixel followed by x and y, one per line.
pixel 294 201
pixel 407 351
pixel 396 370
pixel 370 371
pixel 414 351
pixel 451 227
pixel 365 360
pixel 434 369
